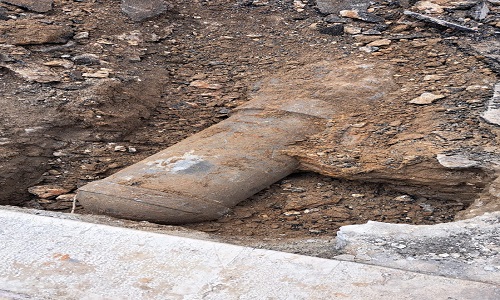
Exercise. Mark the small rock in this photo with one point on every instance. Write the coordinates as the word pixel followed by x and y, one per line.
pixel 368 49
pixel 358 195
pixel 426 207
pixel 205 85
pixel 372 32
pixel 132 150
pixel 140 10
pixel 352 30
pixel 120 148
pixel 47 191
pixel 379 43
pixel 334 19
pixel 480 11
pixel 81 35
pixel 403 198
pixel 40 6
pixel 337 29
pixel 3 14
pixel 426 98
pixel 87 59
pixel 299 5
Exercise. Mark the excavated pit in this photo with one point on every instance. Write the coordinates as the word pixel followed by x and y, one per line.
pixel 176 75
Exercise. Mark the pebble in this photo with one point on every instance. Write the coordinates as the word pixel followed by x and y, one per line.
pixel 426 98
pixel 291 213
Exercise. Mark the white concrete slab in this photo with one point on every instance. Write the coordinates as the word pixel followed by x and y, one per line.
pixel 51 258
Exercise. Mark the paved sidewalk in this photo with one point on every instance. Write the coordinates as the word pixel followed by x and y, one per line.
pixel 52 258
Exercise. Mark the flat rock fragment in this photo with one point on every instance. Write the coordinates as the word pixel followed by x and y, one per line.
pixel 492 113
pixel 426 98
pixel 40 6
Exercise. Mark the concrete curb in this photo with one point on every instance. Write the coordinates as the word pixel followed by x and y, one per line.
pixel 51 258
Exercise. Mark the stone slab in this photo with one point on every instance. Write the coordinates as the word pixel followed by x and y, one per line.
pixel 52 258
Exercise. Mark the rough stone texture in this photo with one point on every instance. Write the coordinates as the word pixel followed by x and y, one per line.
pixel 468 249
pixel 492 113
pixel 52 258
pixel 40 6
pixel 29 32
pixel 140 10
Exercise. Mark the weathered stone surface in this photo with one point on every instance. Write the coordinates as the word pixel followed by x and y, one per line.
pixel 492 113
pixel 40 6
pixel 466 249
pixel 140 10
pixel 28 32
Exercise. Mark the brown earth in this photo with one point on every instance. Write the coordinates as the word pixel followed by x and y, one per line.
pixel 96 92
